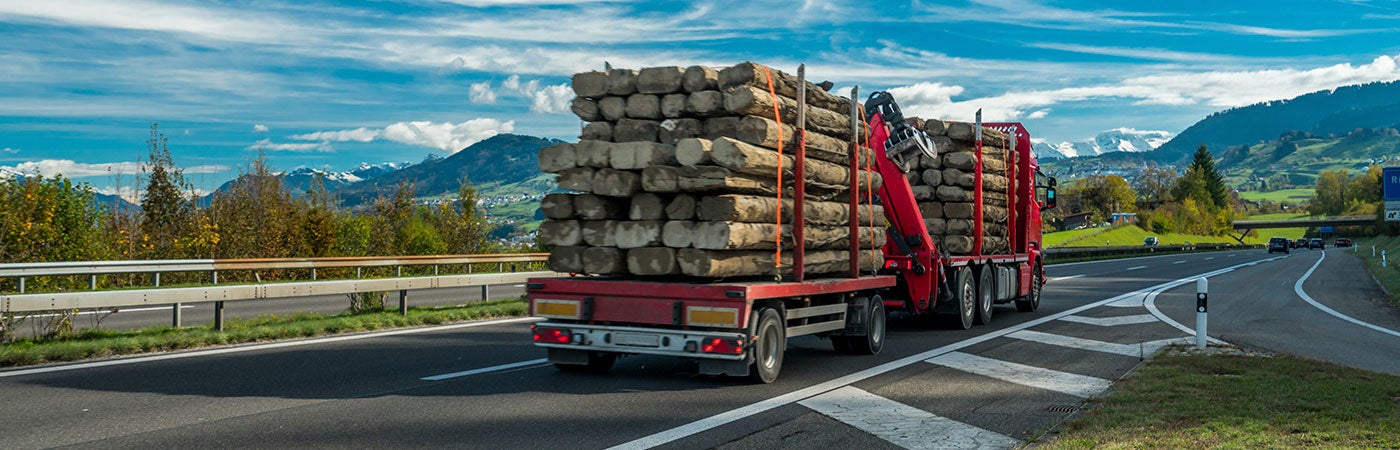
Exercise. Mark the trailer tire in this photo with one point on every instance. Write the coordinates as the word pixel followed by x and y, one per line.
pixel 598 362
pixel 768 347
pixel 965 294
pixel 985 291
pixel 1031 302
pixel 874 339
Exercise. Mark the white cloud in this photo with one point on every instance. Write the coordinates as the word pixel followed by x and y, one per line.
pixel 73 169
pixel 1038 114
pixel 267 144
pixel 552 99
pixel 224 24
pixel 481 93
pixel 9 150
pixel 361 134
pixel 446 136
pixel 260 128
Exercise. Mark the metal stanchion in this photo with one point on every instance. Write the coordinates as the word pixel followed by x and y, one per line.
pixel 1201 312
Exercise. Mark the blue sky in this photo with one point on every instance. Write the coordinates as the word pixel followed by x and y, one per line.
pixel 333 84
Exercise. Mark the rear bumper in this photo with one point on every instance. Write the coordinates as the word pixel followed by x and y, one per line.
pixel 648 341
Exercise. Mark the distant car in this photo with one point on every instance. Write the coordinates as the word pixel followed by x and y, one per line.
pixel 1342 242
pixel 1150 241
pixel 1298 243
pixel 1316 243
pixel 1278 244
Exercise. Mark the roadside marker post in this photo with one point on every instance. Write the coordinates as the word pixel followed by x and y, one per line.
pixel 1201 312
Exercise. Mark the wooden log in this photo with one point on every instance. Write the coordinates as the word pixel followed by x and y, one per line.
pixel 597 131
pixel 576 179
pixel 957 210
pixel 612 108
pixel 959 227
pixel 561 232
pixel 993 213
pixel 647 206
pixel 753 209
pixel 935 127
pixel 752 101
pixel 660 80
pixel 700 78
pixel 958 245
pixel 962 178
pixel 764 133
pixel 932 177
pixel 935 225
pixel 963 131
pixel 557 158
pixel 558 206
pixel 673 130
pixel 948 193
pixel 639 233
pixel 990 151
pixel 747 263
pixel 753 74
pixel 644 106
pixel 661 179
pixel 604 261
pixel 718 127
pixel 616 183
pixel 706 104
pixel 682 207
pixel 597 207
pixel 931 210
pixel 636 130
pixel 593 153
pixel 966 161
pixel 622 82
pixel 673 106
pixel 763 236
pixel 677 233
pixel 924 193
pixel 640 155
pixel 710 179
pixel 914 177
pixel 652 261
pixel 586 109
pixel 693 152
pixel 751 159
pixel 566 259
pixel 590 84
pixel 600 233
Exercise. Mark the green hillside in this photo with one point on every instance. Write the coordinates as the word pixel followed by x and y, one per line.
pixel 1130 235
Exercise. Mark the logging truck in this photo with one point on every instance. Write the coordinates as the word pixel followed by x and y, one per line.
pixel 740 327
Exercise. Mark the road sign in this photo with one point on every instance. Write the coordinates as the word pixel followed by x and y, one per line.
pixel 1390 179
pixel 1325 229
pixel 1392 210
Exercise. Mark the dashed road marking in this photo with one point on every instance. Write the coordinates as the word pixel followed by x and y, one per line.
pixel 1036 377
pixel 1139 350
pixel 901 424
pixel 533 362
pixel 1065 278
pixel 1179 262
pixel 1112 321
pixel 1136 268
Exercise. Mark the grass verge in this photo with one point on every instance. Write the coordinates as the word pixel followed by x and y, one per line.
pixel 1236 401
pixel 1388 276
pixel 102 343
pixel 1129 235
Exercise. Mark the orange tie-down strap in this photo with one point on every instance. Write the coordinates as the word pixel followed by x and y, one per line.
pixel 778 230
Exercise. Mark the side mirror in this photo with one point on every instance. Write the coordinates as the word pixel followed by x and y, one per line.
pixel 1050 197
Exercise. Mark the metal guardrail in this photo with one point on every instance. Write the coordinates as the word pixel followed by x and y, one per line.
pixel 218 294
pixel 1063 253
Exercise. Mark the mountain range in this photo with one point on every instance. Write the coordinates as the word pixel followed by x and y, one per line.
pixel 1115 140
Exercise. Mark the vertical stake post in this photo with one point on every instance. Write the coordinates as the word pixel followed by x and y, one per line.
pixel 1201 289
pixel 403 302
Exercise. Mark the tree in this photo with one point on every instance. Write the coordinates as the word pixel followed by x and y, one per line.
pixel 1203 163
pixel 1329 193
pixel 1101 195
pixel 257 216
pixel 167 212
pixel 1155 184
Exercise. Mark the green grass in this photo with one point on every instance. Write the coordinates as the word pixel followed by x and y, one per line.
pixel 1223 401
pixel 1388 276
pixel 1131 235
pixel 1282 195
pixel 99 343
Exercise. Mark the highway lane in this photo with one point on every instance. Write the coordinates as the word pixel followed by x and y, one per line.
pixel 370 392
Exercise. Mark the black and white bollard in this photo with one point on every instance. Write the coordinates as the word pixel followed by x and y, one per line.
pixel 1201 312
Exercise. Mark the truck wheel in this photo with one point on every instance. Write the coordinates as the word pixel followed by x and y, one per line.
pixel 965 294
pixel 768 348
pixel 874 339
pixel 984 295
pixel 1031 302
pixel 598 362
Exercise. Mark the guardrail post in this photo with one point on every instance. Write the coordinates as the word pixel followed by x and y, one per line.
pixel 157 279
pixel 500 267
pixel 1382 258
pixel 403 301
pixel 398 271
pixel 357 272
pixel 485 292
pixel 92 282
pixel 219 316
pixel 175 315
pixel 313 273
pixel 1201 312
pixel 435 270
pixel 214 277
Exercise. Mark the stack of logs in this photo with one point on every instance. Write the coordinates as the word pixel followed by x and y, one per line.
pixel 944 186
pixel 676 173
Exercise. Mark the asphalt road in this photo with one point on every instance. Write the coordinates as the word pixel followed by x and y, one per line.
pixel 993 385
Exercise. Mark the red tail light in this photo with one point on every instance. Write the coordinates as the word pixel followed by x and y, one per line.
pixel 721 345
pixel 552 335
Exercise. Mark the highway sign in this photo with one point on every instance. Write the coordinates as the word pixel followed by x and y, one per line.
pixel 1325 229
pixel 1392 210
pixel 1390 179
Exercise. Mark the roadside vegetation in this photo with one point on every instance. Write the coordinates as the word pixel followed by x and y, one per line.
pixel 99 343
pixel 1132 235
pixel 1388 276
pixel 1237 401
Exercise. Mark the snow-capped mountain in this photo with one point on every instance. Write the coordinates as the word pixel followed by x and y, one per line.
pixel 1115 140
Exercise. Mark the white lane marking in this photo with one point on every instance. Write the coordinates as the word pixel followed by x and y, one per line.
pixel 518 285
pixel 1139 350
pixel 533 362
pixel 1150 300
pixel 1179 262
pixel 1298 289
pixel 1210 258
pixel 249 348
pixel 901 424
pixel 119 310
pixel 1136 268
pixel 1036 377
pixel 717 420
pixel 1064 278
pixel 1232 255
pixel 1112 321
